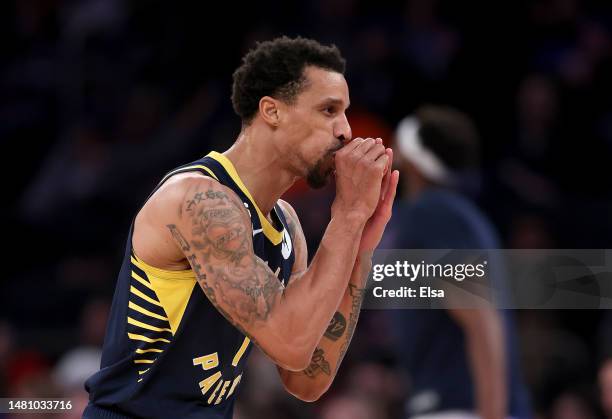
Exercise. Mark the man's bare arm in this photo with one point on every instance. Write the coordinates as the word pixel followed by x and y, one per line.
pixel 312 382
pixel 484 338
pixel 315 380
pixel 211 227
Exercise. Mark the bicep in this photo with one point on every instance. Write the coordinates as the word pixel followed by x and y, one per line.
pixel 214 232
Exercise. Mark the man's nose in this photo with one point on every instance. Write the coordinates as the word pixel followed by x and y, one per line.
pixel 342 130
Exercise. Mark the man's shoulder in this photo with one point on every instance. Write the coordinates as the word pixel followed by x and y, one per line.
pixel 180 184
pixel 185 190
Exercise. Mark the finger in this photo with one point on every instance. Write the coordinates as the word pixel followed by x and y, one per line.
pixel 390 154
pixel 387 178
pixel 352 145
pixel 361 151
pixel 347 149
pixel 379 167
pixel 376 153
pixel 365 146
pixel 391 191
pixel 384 185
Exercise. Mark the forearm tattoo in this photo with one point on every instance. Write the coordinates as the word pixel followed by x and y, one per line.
pixel 336 327
pixel 318 364
pixel 357 295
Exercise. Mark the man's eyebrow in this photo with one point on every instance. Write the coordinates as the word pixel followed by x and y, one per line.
pixel 334 101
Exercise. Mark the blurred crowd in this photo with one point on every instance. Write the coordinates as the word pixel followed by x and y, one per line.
pixel 100 98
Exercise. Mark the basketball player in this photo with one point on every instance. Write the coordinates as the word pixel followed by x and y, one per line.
pixel 462 363
pixel 217 225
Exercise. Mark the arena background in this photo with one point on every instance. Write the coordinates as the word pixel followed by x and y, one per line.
pixel 99 98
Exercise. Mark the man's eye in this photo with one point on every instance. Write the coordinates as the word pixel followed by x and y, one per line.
pixel 329 111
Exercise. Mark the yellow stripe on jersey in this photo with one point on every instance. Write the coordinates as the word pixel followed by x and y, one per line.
pixel 143 371
pixel 172 288
pixel 214 393
pixel 137 292
pixel 222 392
pixel 243 347
pixel 146 312
pixel 149 270
pixel 173 296
pixel 148 327
pixel 141 280
pixel 144 351
pixel 135 336
pixel 143 361
pixel 234 384
pixel 269 231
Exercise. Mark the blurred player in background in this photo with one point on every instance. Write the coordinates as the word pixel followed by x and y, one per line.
pixel 173 351
pixel 462 363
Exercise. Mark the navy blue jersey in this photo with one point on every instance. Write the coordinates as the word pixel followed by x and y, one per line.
pixel 431 345
pixel 168 352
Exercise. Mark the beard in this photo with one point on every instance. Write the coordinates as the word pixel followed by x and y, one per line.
pixel 318 175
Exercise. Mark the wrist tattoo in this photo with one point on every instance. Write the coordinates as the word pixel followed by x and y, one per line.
pixel 318 364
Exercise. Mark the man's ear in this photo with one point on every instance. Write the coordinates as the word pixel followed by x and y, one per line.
pixel 269 109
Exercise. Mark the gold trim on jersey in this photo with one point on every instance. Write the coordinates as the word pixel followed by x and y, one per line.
pixel 135 336
pixel 144 351
pixel 269 231
pixel 148 327
pixel 243 347
pixel 172 288
pixel 142 295
pixel 152 320
pixel 144 311
pixel 163 273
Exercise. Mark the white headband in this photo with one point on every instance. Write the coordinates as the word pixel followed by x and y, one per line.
pixel 411 148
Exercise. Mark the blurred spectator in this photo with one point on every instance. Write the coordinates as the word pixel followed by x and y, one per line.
pixel 351 407
pixel 572 405
pixel 474 350
pixel 82 361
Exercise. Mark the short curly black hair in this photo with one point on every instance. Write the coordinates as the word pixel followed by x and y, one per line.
pixel 276 68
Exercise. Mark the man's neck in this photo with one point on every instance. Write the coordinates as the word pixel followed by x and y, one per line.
pixel 262 168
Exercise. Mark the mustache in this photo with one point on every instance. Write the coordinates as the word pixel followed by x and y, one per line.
pixel 338 146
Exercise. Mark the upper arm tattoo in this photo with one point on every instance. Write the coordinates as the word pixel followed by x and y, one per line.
pixel 218 244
